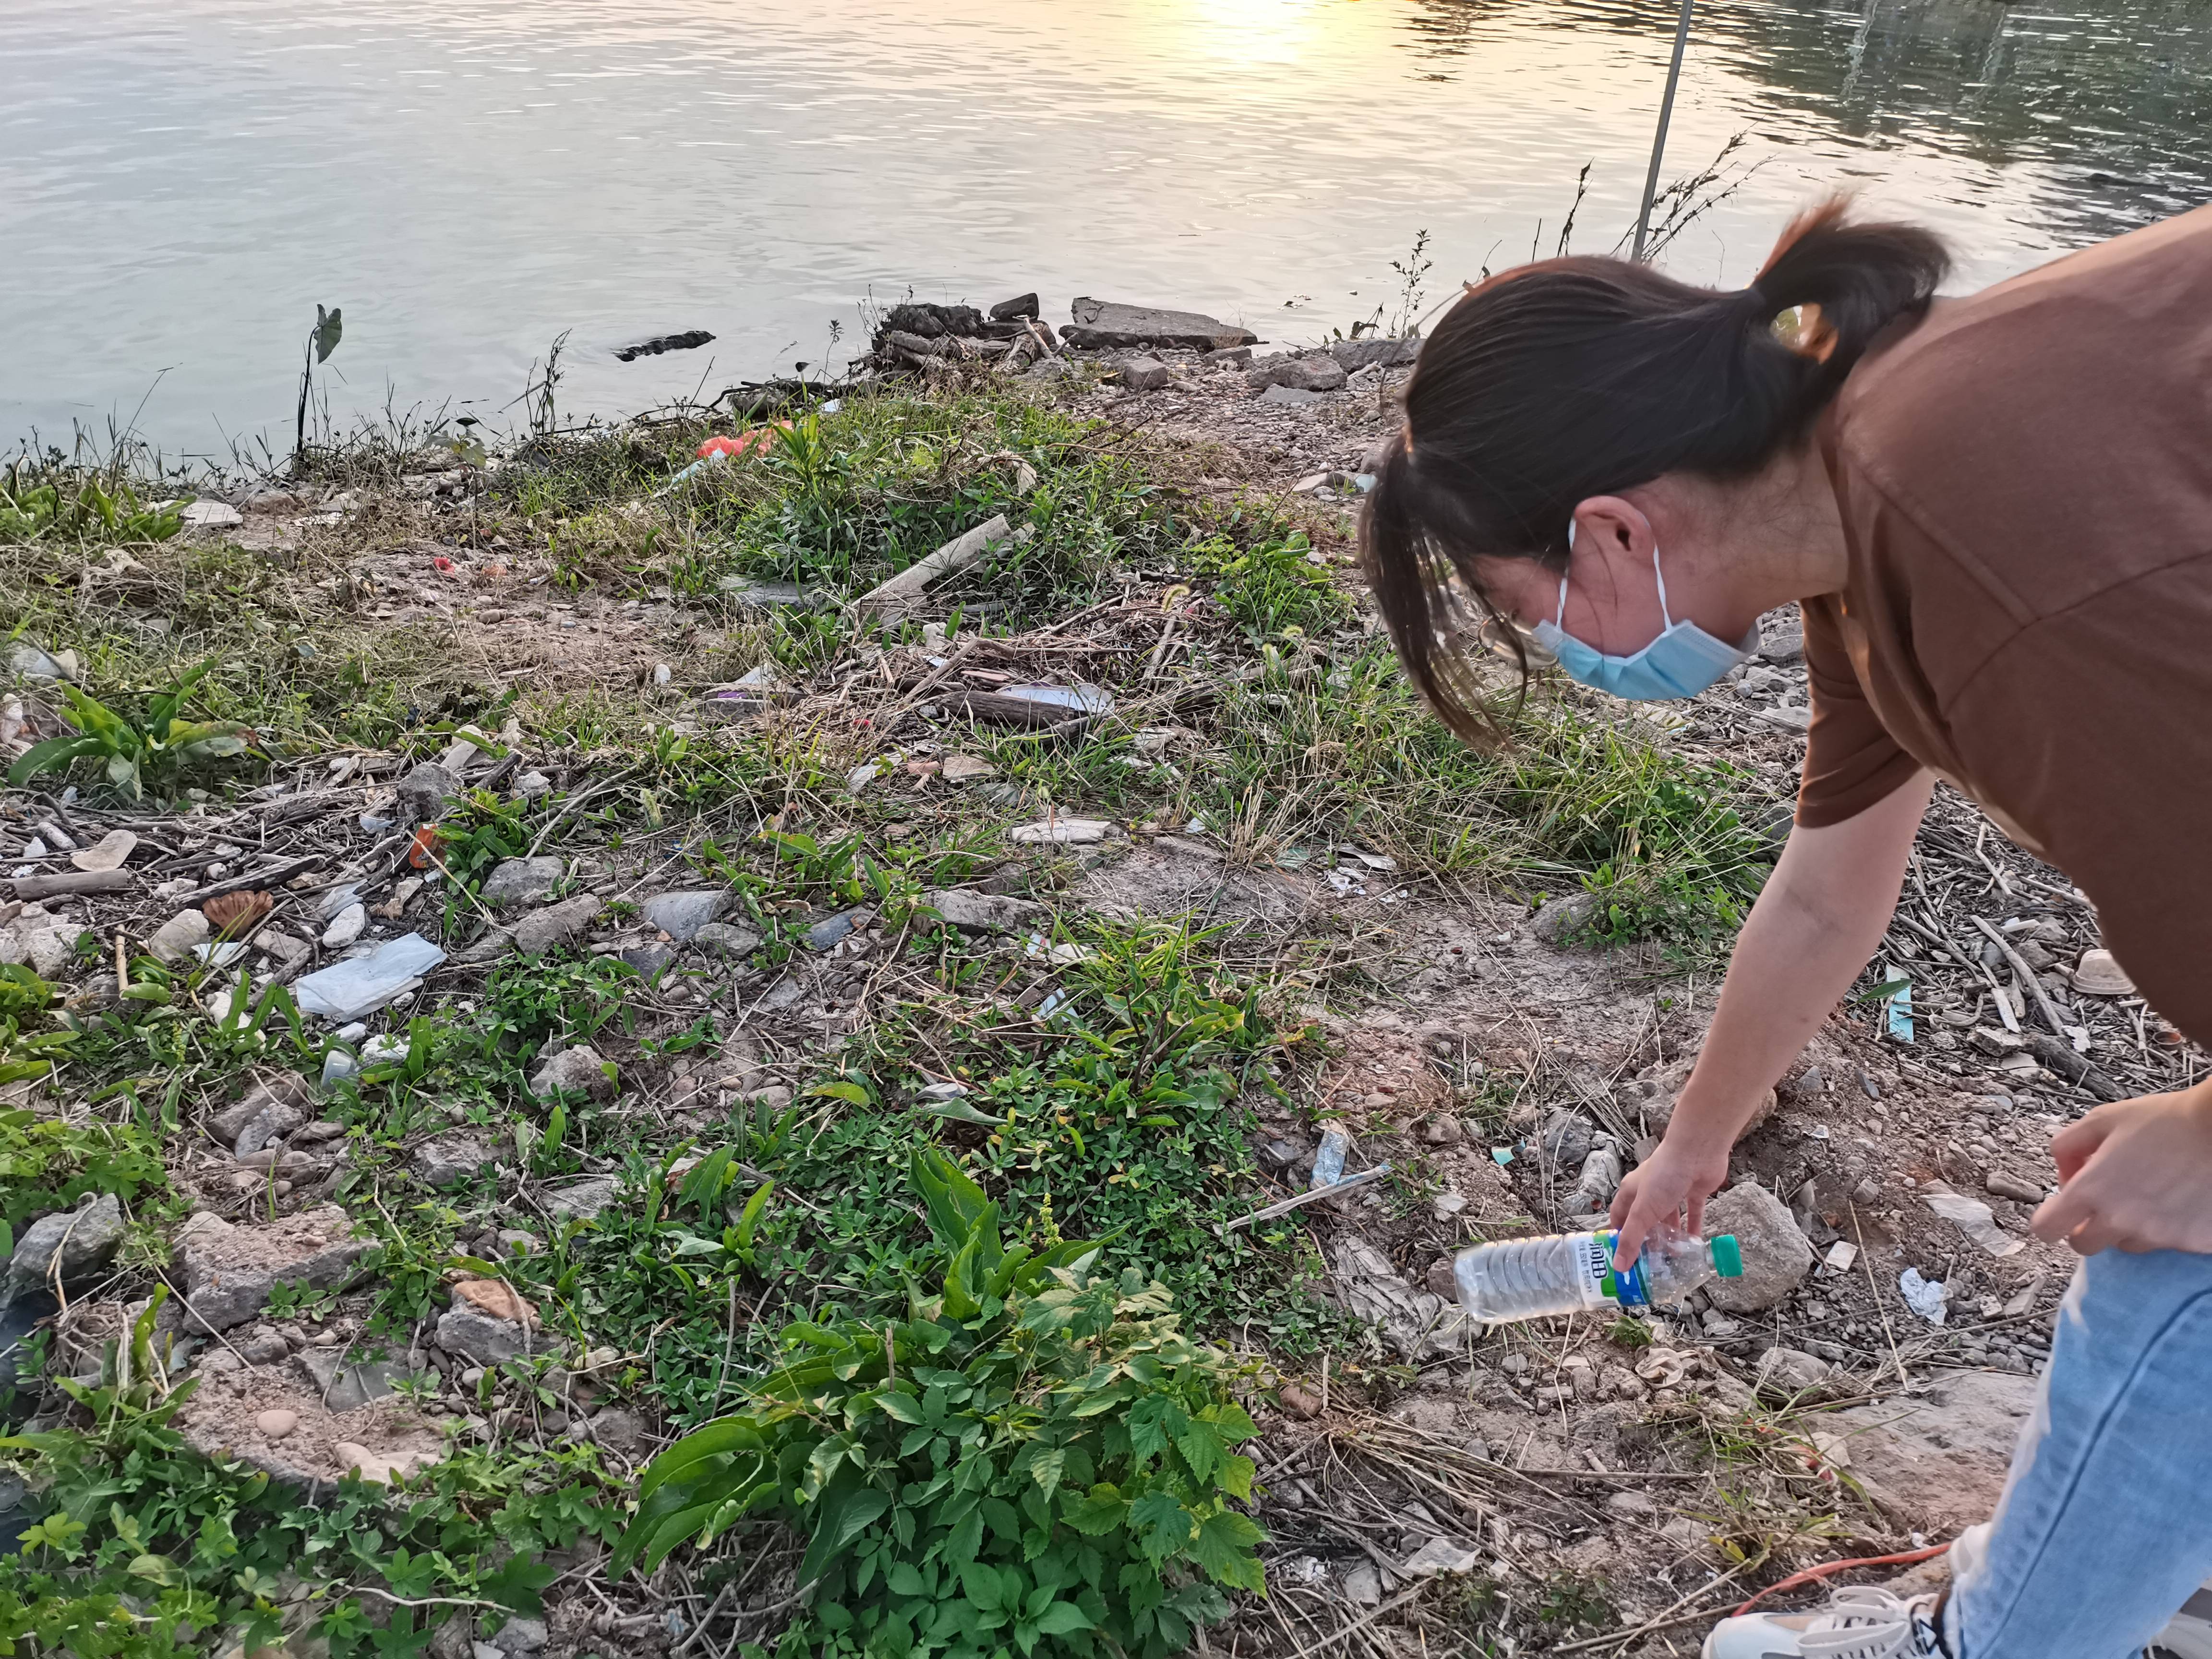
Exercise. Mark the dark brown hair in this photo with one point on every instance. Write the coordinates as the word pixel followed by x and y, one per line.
pixel 1585 376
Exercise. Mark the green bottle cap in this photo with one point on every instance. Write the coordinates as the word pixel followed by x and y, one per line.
pixel 1727 1255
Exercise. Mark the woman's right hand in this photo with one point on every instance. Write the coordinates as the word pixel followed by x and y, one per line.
pixel 1669 1187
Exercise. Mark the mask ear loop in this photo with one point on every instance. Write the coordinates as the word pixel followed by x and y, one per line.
pixel 1664 617
pixel 1560 621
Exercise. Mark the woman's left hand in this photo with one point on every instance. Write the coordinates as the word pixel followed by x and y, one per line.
pixel 2136 1175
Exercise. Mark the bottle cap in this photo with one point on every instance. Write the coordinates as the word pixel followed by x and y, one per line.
pixel 1728 1257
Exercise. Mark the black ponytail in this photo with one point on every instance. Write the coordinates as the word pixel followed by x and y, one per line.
pixel 1584 376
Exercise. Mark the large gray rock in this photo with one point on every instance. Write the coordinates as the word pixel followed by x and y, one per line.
pixel 1300 374
pixel 682 915
pixel 427 794
pixel 724 939
pixel 1353 355
pixel 173 941
pixel 230 1271
pixel 475 1335
pixel 520 881
pixel 1100 324
pixel 282 1091
pixel 542 930
pixel 452 1159
pixel 271 1124
pixel 1936 1459
pixel 346 1388
pixel 978 912
pixel 577 1070
pixel 66 1245
pixel 1775 1256
pixel 582 1199
pixel 1145 373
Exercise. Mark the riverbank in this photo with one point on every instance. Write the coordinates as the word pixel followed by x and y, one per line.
pixel 515 1051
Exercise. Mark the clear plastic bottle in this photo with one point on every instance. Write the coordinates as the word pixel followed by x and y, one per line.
pixel 1572 1272
pixel 1329 1158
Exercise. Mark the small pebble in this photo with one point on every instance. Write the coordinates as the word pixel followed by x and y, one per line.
pixel 276 1424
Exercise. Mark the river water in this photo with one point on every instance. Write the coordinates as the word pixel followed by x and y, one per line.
pixel 182 181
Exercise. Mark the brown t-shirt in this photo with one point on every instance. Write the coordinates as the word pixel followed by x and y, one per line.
pixel 2025 480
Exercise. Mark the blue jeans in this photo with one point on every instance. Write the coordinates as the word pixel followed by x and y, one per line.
pixel 2105 1528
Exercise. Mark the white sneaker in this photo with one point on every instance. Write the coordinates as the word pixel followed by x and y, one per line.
pixel 2189 1635
pixel 1861 1622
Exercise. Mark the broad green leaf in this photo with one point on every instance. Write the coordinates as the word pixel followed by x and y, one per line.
pixel 1100 1513
pixel 983 1585
pixel 1224 1548
pixel 1064 1618
pixel 1162 1524
pixel 330 328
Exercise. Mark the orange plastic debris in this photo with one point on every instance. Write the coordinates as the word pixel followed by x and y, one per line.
pixel 745 443
pixel 424 852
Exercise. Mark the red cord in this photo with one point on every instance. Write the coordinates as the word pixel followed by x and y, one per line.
pixel 1812 1574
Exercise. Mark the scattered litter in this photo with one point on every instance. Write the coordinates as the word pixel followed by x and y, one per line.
pixel 1501 1156
pixel 1898 1004
pixel 108 853
pixel 1972 1217
pixel 1439 1559
pixel 1036 705
pixel 1061 832
pixel 1931 1301
pixel 2098 974
pixel 1841 1255
pixel 1328 1161
pixel 211 515
pixel 349 990
pixel 905 588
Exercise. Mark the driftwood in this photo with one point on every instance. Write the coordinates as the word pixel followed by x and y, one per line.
pixel 80 881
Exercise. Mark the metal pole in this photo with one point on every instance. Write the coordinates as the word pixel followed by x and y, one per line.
pixel 1659 138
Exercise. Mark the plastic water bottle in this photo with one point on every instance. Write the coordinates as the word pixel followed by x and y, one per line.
pixel 1329 1158
pixel 1573 1272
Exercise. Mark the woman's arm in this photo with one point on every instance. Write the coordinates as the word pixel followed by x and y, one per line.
pixel 1817 919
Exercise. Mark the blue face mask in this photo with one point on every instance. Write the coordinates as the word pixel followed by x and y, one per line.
pixel 1680 663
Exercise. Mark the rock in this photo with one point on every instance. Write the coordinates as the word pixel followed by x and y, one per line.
pixel 345 927
pixel 1102 325
pixel 173 939
pixel 1231 357
pixel 229 1272
pixel 426 794
pixel 284 949
pixel 1144 374
pixel 469 1334
pixel 108 853
pixel 650 960
pixel 1938 1460
pixel 64 1246
pixel 1362 1585
pixel 518 1636
pixel 48 945
pixel 2005 1184
pixel 575 1071
pixel 1790 1372
pixel 263 1348
pixel 1775 1256
pixel 618 1430
pixel 542 930
pixel 1561 919
pixel 682 915
pixel 277 1424
pixel 1636 1505
pixel 583 1198
pixel 1302 373
pixel 1567 1138
pixel 1023 307
pixel 344 1388
pixel 452 1159
pixel 724 939
pixel 1443 1129
pixel 1353 355
pixel 1057 832
pixel 832 930
pixel 2098 974
pixel 495 1299
pixel 288 1090
pixel 965 768
pixel 531 784
pixel 273 1123
pixel 520 881
pixel 1289 394
pixel 1300 1402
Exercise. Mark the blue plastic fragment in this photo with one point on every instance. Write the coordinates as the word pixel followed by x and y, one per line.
pixel 1899 1003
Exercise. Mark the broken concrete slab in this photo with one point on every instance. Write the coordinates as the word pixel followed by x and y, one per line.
pixel 1304 373
pixel 229 1271
pixel 1145 374
pixel 976 912
pixel 1938 1459
pixel 344 1388
pixel 1353 355
pixel 1101 324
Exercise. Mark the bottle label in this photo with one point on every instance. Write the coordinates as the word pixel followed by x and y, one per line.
pixel 1600 1285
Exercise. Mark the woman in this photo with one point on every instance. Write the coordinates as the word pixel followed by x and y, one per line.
pixel 1996 514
